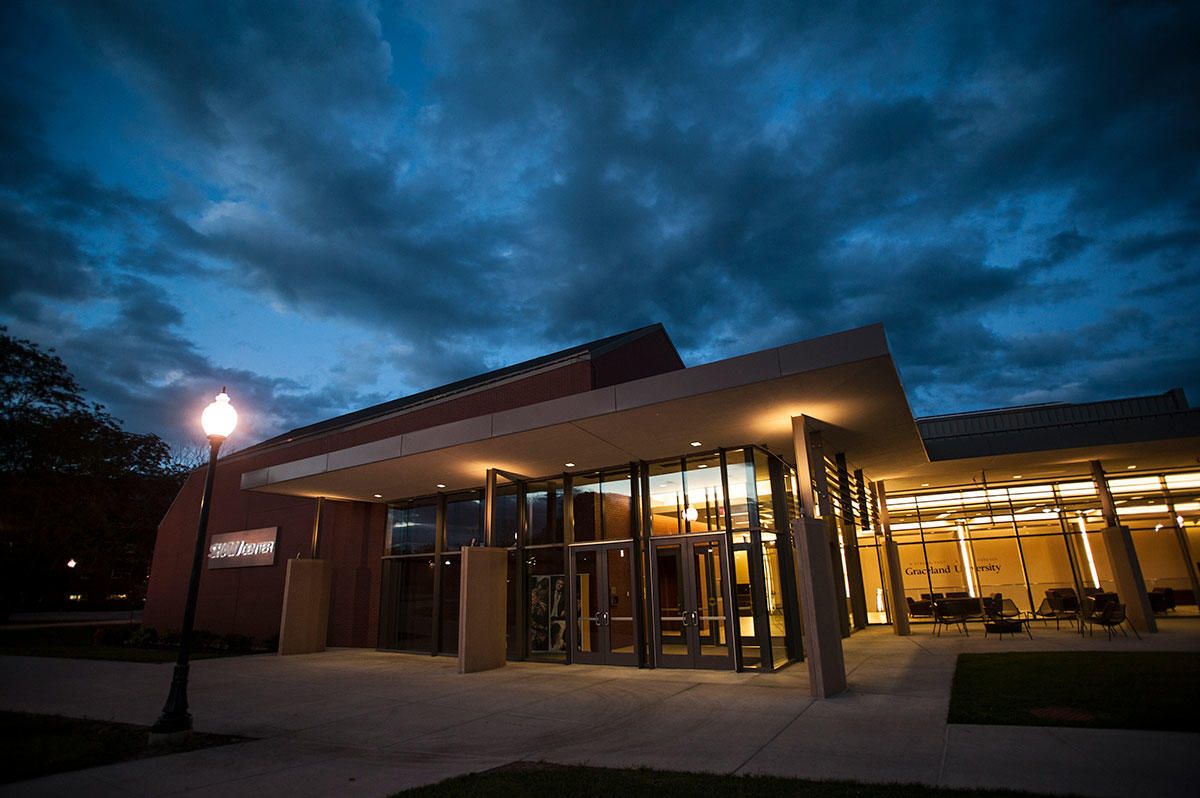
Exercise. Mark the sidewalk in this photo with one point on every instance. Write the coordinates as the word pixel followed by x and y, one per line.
pixel 361 722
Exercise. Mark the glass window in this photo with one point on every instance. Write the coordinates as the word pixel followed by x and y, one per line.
pixel 705 510
pixel 544 512
pixel 585 506
pixel 762 484
pixel 998 570
pixel 411 529
pixel 617 493
pixel 748 631
pixel 464 523
pixel 868 555
pixel 504 518
pixel 547 609
pixel 451 565
pixel 408 582
pixel 666 498
pixel 740 474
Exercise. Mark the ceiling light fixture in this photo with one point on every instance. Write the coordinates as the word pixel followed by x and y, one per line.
pixel 569 465
pixel 441 484
pixel 1130 467
pixel 696 443
pixel 377 495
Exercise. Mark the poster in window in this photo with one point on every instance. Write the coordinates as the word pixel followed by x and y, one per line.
pixel 547 614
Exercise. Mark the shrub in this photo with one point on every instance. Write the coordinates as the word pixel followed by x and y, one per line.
pixel 240 644
pixel 169 638
pixel 143 637
pixel 115 635
pixel 202 638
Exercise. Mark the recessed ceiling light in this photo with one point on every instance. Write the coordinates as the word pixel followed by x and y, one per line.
pixel 702 465
pixel 1017 476
pixel 696 443
pixel 924 484
pixel 378 495
pixel 441 484
pixel 569 465
pixel 1130 467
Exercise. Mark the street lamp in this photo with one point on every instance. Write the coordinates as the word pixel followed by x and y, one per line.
pixel 218 420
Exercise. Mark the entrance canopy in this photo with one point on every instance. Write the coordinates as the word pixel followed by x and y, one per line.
pixel 846 382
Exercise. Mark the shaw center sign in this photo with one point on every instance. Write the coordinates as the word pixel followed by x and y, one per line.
pixel 243 549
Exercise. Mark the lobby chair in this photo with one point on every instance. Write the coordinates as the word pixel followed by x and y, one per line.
pixel 1113 617
pixel 919 609
pixel 1054 607
pixel 1003 616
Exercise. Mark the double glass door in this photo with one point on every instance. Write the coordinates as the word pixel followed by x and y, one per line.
pixel 690 597
pixel 602 628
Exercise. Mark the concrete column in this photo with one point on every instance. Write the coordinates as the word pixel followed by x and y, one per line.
pixel 481 609
pixel 893 576
pixel 815 465
pixel 304 623
pixel 1184 548
pixel 819 596
pixel 1127 571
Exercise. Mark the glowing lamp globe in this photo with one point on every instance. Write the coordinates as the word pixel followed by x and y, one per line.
pixel 219 418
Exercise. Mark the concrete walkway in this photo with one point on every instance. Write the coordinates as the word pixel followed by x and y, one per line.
pixel 361 722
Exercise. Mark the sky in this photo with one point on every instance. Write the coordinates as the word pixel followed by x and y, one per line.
pixel 324 206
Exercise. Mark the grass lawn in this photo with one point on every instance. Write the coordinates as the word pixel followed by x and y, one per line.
pixel 536 778
pixel 1157 691
pixel 76 642
pixel 40 745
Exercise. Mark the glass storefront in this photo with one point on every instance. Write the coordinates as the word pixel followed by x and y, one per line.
pixel 685 562
pixel 1022 538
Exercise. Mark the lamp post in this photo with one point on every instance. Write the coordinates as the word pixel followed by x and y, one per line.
pixel 218 420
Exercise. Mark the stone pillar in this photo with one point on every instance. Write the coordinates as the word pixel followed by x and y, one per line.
pixel 481 609
pixel 819 597
pixel 893 574
pixel 1127 571
pixel 304 623
pixel 1184 549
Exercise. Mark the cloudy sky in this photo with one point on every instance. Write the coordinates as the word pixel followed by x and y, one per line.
pixel 325 206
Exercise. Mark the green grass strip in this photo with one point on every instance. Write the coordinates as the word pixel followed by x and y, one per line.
pixel 32 746
pixel 536 778
pixel 1154 691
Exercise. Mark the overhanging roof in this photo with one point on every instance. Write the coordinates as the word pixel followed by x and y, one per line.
pixel 846 381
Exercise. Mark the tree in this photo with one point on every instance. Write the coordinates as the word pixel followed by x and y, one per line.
pixel 73 486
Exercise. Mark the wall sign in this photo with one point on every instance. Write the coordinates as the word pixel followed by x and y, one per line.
pixel 243 549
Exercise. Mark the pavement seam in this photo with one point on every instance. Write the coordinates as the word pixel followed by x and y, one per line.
pixel 774 736
pixel 945 755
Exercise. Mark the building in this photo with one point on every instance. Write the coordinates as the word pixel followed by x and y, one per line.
pixel 664 516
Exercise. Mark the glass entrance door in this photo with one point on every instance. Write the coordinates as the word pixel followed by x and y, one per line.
pixel 602 630
pixel 691 602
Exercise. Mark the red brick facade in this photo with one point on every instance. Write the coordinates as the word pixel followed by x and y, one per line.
pixel 249 600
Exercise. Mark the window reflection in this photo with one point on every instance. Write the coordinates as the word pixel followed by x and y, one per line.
pixel 464 523
pixel 740 475
pixel 666 498
pixel 705 497
pixel 411 529
pixel 544 512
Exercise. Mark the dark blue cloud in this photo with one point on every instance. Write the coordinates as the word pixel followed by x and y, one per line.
pixel 445 188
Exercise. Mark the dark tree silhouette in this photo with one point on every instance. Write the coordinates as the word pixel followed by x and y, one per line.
pixel 73 486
